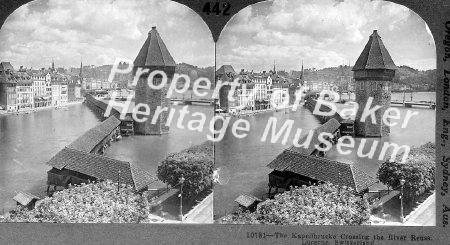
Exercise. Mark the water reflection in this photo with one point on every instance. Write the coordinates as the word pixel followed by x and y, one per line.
pixel 245 159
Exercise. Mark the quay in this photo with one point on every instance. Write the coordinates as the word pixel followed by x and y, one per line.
pixel 191 101
pixel 428 104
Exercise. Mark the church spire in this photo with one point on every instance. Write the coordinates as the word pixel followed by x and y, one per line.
pixel 81 67
pixel 301 74
pixel 274 70
pixel 80 76
pixel 53 65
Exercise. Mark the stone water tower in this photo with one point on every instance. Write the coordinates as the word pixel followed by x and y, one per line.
pixel 153 56
pixel 373 73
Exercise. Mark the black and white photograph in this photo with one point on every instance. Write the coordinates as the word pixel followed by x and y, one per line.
pixel 75 147
pixel 339 98
pixel 312 122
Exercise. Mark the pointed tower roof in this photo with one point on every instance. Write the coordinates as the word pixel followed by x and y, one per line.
pixel 301 74
pixel 225 69
pixel 81 67
pixel 374 56
pixel 154 52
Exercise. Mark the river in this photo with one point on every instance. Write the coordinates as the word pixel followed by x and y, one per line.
pixel 28 141
pixel 242 162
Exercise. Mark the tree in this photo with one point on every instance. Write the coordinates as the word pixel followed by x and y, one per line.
pixel 417 171
pixel 87 203
pixel 324 204
pixel 195 165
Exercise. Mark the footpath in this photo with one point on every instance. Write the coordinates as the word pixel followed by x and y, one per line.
pixel 423 215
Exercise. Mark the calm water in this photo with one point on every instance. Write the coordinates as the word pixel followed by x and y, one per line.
pixel 28 141
pixel 242 162
pixel 148 151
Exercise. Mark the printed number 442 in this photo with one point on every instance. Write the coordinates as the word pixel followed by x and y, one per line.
pixel 216 9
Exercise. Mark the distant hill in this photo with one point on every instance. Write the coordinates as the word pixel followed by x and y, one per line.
pixel 102 72
pixel 195 72
pixel 405 76
pixel 418 80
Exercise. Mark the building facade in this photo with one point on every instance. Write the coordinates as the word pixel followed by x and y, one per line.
pixel 40 89
pixel 24 89
pixel 8 95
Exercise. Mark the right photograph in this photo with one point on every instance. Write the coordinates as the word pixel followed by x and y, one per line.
pixel 325 115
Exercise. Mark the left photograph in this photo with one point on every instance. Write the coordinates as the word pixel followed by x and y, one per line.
pixel 105 113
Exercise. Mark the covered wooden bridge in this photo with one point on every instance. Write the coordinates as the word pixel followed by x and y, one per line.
pixel 295 169
pixel 297 166
pixel 72 166
pixel 82 162
pixel 98 138
pixel 309 144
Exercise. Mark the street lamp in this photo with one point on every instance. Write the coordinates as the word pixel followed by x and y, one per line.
pixel 181 197
pixel 402 218
pixel 118 181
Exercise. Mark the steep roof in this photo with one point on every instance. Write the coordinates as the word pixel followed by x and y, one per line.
pixel 322 169
pixel 23 78
pixel 6 66
pixel 154 52
pixel 95 135
pixel 247 200
pixel 374 56
pixel 329 127
pixel 225 69
pixel 101 167
pixel 25 198
pixel 6 78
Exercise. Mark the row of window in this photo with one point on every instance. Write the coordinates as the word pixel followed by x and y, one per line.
pixel 372 85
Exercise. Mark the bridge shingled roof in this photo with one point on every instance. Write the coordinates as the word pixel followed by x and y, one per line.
pixel 89 140
pixel 101 168
pixel 322 169
pixel 329 127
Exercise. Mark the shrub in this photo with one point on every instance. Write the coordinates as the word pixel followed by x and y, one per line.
pixel 87 203
pixel 324 204
pixel 418 172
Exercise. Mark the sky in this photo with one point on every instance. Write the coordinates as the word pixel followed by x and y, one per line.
pixel 322 33
pixel 98 31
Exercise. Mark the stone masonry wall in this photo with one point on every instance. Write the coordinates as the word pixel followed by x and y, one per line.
pixel 153 98
pixel 380 91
